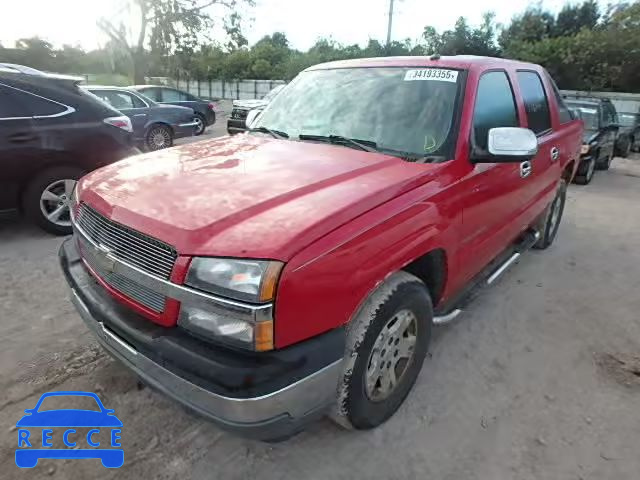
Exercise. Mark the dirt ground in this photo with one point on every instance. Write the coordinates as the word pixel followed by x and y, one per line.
pixel 539 379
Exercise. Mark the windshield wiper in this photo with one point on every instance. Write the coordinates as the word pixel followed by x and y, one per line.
pixel 366 145
pixel 273 133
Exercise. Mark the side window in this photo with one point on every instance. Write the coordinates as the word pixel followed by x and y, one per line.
pixel 153 93
pixel 10 105
pixel 563 111
pixel 136 102
pixel 119 100
pixel 170 95
pixel 535 101
pixel 495 106
pixel 19 103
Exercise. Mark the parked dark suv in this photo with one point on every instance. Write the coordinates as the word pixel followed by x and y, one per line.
pixel 600 134
pixel 51 134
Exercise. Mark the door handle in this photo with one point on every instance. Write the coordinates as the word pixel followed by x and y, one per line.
pixel 526 168
pixel 555 153
pixel 140 115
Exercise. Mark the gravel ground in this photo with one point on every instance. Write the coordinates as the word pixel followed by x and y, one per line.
pixel 535 381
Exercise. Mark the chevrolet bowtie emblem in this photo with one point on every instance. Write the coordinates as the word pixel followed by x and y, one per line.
pixel 105 258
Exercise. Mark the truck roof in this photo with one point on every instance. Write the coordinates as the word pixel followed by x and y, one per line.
pixel 466 62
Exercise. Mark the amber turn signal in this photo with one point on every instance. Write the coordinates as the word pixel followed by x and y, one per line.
pixel 263 335
pixel 270 281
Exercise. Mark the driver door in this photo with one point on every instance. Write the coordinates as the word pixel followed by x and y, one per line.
pixel 493 192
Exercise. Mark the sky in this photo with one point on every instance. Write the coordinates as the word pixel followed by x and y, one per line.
pixel 303 21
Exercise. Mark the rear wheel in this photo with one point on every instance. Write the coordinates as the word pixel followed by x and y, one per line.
pixel 201 124
pixel 47 199
pixel 550 221
pixel 159 137
pixel 386 346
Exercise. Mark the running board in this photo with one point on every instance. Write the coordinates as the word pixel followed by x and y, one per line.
pixel 530 238
pixel 503 268
pixel 441 320
pixel 528 241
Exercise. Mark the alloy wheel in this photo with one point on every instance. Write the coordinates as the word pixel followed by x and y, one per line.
pixel 391 355
pixel 159 138
pixel 199 125
pixel 55 201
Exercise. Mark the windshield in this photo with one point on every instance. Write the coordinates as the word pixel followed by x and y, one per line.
pixel 404 110
pixel 589 115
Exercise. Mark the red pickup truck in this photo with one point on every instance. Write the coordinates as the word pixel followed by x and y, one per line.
pixel 267 279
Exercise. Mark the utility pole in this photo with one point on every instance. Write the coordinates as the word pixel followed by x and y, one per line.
pixel 390 22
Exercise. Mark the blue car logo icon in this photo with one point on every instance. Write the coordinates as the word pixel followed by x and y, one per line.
pixel 28 452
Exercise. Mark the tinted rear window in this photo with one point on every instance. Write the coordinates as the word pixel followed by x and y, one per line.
pixel 16 102
pixel 535 101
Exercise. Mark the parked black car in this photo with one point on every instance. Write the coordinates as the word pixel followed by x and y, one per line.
pixel 600 133
pixel 241 108
pixel 51 133
pixel 205 113
pixel 629 134
pixel 154 126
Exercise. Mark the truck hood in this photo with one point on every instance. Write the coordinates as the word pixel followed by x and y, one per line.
pixel 250 104
pixel 247 195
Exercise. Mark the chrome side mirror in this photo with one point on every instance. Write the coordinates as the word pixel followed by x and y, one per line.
pixel 511 144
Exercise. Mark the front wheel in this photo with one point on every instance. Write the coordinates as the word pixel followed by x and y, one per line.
pixel 606 163
pixel 386 345
pixel 159 137
pixel 585 172
pixel 550 221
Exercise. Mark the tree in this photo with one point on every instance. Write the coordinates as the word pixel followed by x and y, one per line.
pixel 573 18
pixel 533 25
pixel 463 40
pixel 165 25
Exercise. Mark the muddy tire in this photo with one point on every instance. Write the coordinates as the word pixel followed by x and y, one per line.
pixel 550 221
pixel 387 342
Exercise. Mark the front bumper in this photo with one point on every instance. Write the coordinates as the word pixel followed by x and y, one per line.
pixel 186 129
pixel 262 396
pixel 236 125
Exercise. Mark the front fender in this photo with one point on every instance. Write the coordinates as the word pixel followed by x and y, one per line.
pixel 323 286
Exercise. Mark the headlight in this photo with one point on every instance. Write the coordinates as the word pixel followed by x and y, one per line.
pixel 249 280
pixel 246 280
pixel 228 328
pixel 584 149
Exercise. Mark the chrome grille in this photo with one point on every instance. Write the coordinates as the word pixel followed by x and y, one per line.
pixel 144 252
pixel 126 286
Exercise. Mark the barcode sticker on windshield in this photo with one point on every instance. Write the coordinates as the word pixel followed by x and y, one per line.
pixel 437 74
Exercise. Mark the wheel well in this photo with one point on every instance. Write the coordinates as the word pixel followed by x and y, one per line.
pixel 431 268
pixel 567 174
